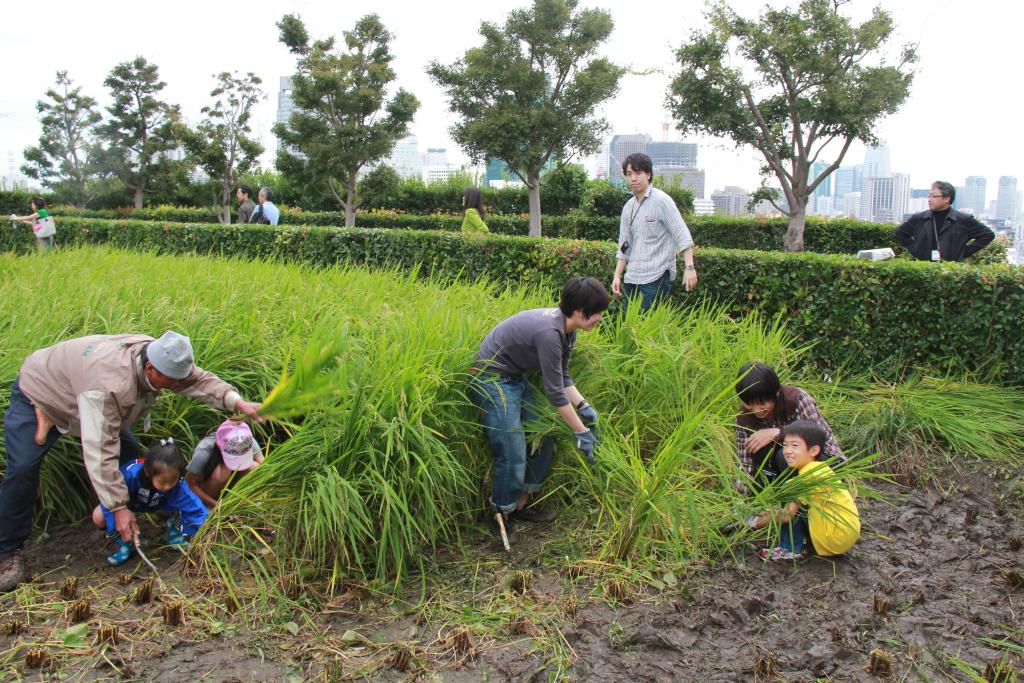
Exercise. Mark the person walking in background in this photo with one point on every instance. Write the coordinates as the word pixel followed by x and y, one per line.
pixel 41 222
pixel 473 220
pixel 246 206
pixel 266 213
pixel 942 233
pixel 651 234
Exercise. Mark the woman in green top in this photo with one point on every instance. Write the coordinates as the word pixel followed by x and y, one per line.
pixel 41 222
pixel 474 218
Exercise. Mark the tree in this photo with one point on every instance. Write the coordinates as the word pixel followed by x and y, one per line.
pixel 141 129
pixel 789 84
pixel 377 189
pixel 527 94
pixel 65 160
pixel 562 188
pixel 222 144
pixel 341 120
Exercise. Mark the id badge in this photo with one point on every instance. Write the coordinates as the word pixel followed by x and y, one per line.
pixel 935 255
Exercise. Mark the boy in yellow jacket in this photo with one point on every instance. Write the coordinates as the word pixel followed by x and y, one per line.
pixel 823 518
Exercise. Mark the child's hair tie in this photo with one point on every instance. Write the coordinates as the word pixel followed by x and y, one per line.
pixel 167 442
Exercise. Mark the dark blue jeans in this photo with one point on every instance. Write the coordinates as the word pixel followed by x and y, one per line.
pixel 649 294
pixel 795 535
pixel 505 405
pixel 20 484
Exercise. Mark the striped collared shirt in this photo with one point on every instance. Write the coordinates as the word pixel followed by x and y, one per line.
pixel 650 233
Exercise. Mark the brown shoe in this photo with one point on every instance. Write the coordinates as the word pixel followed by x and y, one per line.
pixel 12 571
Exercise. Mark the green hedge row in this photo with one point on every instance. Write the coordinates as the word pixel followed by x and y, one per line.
pixel 882 317
pixel 834 236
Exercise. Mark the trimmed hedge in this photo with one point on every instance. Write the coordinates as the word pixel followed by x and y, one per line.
pixel 834 236
pixel 882 317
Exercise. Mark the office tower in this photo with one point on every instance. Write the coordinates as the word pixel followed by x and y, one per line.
pixel 876 162
pixel 972 198
pixel 847 179
pixel 405 158
pixel 822 191
pixel 1006 200
pixel 672 153
pixel 731 201
pixel 681 176
pixel 621 147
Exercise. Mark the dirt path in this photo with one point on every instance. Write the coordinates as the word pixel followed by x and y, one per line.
pixel 945 570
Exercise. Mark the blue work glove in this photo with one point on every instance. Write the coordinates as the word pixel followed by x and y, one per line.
pixel 586 441
pixel 587 414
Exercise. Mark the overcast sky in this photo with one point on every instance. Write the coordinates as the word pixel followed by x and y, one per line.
pixel 962 118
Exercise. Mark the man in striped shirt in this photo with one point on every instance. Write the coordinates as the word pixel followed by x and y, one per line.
pixel 651 235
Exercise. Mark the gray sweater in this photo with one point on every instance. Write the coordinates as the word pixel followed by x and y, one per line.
pixel 527 341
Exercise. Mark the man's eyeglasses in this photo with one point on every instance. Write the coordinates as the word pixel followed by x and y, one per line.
pixel 936 196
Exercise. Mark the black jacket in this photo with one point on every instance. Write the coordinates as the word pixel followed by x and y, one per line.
pixel 959 237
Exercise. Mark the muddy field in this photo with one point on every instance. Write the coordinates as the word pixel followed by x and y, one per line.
pixel 930 593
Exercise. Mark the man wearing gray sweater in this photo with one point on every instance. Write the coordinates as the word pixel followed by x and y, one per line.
pixel 540 339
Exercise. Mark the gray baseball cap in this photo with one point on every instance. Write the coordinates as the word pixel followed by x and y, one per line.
pixel 171 355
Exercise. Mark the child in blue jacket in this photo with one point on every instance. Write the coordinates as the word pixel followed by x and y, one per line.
pixel 156 483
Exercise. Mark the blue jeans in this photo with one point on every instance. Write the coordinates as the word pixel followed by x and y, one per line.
pixel 795 535
pixel 505 405
pixel 20 484
pixel 648 294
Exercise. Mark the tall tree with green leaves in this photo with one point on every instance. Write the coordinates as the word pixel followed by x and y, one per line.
pixel 141 130
pixel 342 119
pixel 790 84
pixel 65 159
pixel 222 144
pixel 528 93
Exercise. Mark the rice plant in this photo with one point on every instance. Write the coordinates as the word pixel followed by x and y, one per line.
pixel 377 460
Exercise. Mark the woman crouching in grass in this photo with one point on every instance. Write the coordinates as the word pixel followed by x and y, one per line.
pixel 766 408
pixel 230 452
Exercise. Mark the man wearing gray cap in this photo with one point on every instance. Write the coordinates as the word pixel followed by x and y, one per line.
pixel 93 388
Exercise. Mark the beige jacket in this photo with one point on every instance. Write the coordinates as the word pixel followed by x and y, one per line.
pixel 92 387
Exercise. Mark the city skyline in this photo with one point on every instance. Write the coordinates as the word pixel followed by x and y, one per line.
pixel 196 41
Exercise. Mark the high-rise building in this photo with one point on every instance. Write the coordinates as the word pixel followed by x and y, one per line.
pixel 847 180
pixel 285 107
pixel 602 162
pixel 851 204
pixel 1007 203
pixel 876 162
pixel 900 197
pixel 497 171
pixel 672 153
pixel 285 104
pixel 681 176
pixel 731 201
pixel 436 156
pixel 885 200
pixel 621 147
pixel 816 203
pixel 973 196
pixel 405 158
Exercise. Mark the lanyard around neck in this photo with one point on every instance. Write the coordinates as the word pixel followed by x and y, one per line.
pixel 632 216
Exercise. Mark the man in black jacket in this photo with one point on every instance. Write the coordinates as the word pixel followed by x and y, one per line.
pixel 942 233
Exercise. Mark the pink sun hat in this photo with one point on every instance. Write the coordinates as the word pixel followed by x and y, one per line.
pixel 234 439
